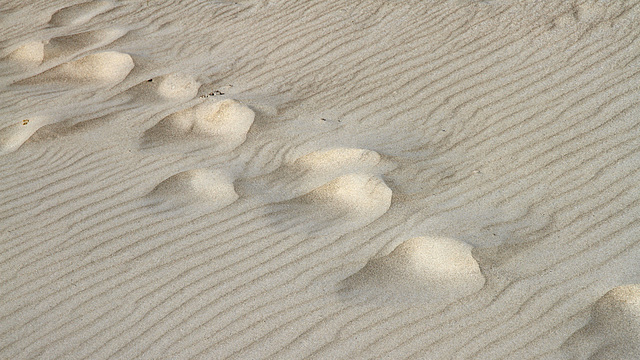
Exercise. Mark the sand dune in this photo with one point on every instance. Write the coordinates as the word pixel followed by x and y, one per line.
pixel 319 179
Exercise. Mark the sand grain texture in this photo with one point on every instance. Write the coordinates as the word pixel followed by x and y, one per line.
pixel 319 179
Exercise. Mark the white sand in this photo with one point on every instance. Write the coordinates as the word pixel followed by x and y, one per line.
pixel 320 179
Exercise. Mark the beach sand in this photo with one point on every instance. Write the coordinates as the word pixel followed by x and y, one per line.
pixel 319 179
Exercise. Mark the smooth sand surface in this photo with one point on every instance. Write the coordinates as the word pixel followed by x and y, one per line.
pixel 320 179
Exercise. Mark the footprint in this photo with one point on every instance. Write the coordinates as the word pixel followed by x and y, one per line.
pixel 589 12
pixel 420 269
pixel 614 329
pixel 225 122
pixel 338 189
pixel 567 19
pixel 177 87
pixel 351 196
pixel 173 87
pixel 15 134
pixel 344 204
pixel 79 14
pixel 212 189
pixel 313 170
pixel 30 53
pixel 101 69
pixel 73 44
pixel 336 160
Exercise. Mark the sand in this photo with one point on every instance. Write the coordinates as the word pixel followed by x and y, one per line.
pixel 319 179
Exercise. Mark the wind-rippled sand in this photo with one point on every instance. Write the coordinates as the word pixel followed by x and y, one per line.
pixel 319 179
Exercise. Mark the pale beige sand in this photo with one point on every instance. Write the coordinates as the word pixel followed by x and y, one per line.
pixel 320 179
